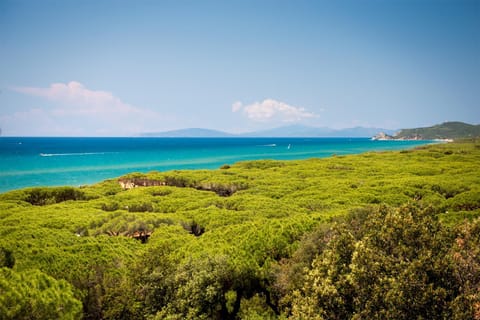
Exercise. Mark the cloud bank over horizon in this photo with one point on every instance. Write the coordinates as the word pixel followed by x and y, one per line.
pixel 74 109
pixel 76 99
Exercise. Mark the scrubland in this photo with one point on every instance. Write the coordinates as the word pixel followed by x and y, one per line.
pixel 380 235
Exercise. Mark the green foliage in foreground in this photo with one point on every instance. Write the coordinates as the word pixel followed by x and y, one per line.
pixel 392 264
pixel 34 295
pixel 378 235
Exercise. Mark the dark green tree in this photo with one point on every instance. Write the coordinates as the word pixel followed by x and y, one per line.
pixel 6 258
pixel 35 295
pixel 396 264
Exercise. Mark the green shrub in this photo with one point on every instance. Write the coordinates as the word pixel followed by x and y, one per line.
pixel 391 264
pixel 140 207
pixel 34 295
pixel 6 258
pixel 466 201
pixel 46 196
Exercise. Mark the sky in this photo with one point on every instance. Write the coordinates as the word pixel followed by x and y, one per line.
pixel 121 68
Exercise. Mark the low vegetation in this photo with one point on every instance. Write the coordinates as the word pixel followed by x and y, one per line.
pixel 390 235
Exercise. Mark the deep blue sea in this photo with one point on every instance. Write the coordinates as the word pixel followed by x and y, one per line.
pixel 28 162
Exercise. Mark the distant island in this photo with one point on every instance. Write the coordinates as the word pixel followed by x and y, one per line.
pixel 285 131
pixel 445 131
pixel 189 133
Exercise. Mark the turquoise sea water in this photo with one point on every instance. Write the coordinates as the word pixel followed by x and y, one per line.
pixel 27 162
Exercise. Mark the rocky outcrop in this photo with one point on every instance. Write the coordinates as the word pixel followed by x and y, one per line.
pixel 223 190
pixel 382 136
pixel 140 235
pixel 139 182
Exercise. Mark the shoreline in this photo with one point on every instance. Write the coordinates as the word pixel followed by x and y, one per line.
pixel 413 139
pixel 382 136
pixel 97 167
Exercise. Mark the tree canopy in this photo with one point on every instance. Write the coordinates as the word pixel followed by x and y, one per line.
pixel 377 235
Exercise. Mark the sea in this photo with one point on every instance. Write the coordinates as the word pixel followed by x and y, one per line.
pixel 34 161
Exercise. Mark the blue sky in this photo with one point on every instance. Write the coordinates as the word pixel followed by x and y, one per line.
pixel 110 68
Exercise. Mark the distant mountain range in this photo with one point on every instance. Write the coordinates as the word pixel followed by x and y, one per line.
pixel 287 131
pixel 189 133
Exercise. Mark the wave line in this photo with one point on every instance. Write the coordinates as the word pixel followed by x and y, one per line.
pixel 69 154
pixel 268 145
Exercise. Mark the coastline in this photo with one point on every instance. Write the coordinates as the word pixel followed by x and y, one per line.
pixel 407 139
pixel 76 161
pixel 386 137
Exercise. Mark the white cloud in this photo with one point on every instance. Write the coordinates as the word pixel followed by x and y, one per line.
pixel 236 106
pixel 77 110
pixel 270 109
pixel 76 99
